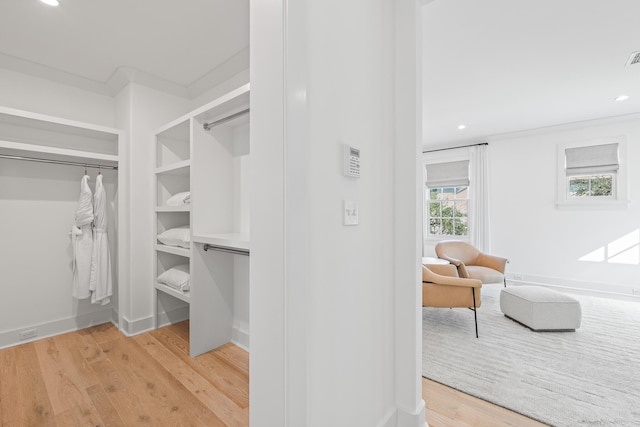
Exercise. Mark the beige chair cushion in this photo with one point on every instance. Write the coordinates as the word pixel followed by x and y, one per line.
pixel 484 274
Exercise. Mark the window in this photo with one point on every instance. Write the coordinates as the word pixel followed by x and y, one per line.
pixel 592 175
pixel 447 211
pixel 591 186
pixel 591 170
pixel 447 199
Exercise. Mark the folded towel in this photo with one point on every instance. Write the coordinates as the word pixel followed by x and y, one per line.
pixel 179 199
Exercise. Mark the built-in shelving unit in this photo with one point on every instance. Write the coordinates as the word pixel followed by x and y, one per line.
pixel 206 152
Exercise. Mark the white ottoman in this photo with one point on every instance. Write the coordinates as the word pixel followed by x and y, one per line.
pixel 541 309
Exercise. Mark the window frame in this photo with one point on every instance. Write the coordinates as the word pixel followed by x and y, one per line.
pixel 428 201
pixel 619 198
pixel 428 158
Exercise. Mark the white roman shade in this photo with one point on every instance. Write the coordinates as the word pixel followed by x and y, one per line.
pixel 591 160
pixel 450 174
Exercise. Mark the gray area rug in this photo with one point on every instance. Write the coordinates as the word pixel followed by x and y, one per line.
pixel 590 377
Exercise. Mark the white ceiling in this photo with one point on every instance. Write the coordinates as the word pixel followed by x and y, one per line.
pixel 501 66
pixel 178 41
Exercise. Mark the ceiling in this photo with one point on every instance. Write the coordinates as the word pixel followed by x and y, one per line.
pixel 500 66
pixel 177 41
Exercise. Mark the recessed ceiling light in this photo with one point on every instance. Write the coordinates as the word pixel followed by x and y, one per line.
pixel 50 2
pixel 622 98
pixel 462 127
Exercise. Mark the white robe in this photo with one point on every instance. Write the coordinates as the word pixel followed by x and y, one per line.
pixel 82 242
pixel 101 285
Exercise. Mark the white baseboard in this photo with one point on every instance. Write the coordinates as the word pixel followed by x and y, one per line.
pixel 624 292
pixel 240 337
pixel 139 326
pixel 57 327
pixel 389 420
pixel 398 417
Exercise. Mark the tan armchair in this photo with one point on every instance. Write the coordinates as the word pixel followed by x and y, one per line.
pixel 472 263
pixel 445 289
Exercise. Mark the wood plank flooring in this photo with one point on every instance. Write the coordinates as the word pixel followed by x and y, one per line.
pixel 99 377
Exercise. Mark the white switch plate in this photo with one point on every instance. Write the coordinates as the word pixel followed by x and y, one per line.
pixel 350 212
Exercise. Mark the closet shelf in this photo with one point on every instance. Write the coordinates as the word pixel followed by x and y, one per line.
pixel 186 208
pixel 173 250
pixel 229 240
pixel 55 153
pixel 178 168
pixel 174 293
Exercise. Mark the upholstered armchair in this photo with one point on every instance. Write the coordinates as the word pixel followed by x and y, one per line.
pixel 472 263
pixel 445 289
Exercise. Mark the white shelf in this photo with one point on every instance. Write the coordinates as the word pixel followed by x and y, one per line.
pixel 186 208
pixel 183 296
pixel 56 124
pixel 179 168
pixel 54 153
pixel 228 240
pixel 173 250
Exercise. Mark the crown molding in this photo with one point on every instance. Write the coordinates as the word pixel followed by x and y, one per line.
pixel 35 69
pixel 223 72
pixel 125 75
pixel 122 76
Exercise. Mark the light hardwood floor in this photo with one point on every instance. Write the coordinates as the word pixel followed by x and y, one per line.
pixel 99 377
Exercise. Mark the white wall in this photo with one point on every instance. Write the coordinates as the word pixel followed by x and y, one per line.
pixel 140 112
pixel 38 202
pixel 543 243
pixel 323 313
pixel 29 93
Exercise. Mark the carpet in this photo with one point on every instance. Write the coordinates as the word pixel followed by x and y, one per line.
pixel 590 377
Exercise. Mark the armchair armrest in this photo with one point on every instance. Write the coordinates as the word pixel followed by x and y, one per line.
pixel 431 277
pixel 462 270
pixel 492 261
pixel 443 269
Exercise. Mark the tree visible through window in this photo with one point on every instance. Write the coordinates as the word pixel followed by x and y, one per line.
pixel 447 211
pixel 591 186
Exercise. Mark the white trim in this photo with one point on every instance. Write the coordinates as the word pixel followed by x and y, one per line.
pixel 145 324
pixel 414 418
pixel 240 337
pixel 624 292
pixel 57 327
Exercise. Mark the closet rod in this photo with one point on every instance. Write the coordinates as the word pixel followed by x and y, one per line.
pixel 208 126
pixel 57 162
pixel 225 249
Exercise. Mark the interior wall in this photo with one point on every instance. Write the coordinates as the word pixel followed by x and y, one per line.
pixel 38 202
pixel 545 244
pixel 140 112
pixel 350 313
pixel 335 346
pixel 24 92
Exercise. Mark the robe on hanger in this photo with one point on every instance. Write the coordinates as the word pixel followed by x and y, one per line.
pixel 101 284
pixel 82 242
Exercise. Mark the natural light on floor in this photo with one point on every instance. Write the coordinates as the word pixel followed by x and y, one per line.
pixel 625 250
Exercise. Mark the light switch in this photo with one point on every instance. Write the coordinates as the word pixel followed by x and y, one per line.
pixel 350 212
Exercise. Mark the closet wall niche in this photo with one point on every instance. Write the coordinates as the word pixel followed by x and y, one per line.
pixel 202 195
pixel 42 160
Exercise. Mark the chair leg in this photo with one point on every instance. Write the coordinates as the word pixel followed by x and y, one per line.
pixel 475 314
